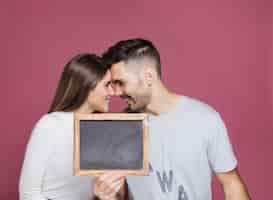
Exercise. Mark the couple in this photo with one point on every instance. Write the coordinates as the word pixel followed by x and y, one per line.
pixel 188 139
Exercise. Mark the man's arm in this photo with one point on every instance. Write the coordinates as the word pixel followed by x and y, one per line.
pixel 233 185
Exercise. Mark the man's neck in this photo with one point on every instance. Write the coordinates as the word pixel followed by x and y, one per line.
pixel 162 100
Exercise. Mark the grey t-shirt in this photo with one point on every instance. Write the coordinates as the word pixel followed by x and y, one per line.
pixel 187 144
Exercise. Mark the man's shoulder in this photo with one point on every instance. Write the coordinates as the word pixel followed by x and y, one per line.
pixel 200 112
pixel 196 106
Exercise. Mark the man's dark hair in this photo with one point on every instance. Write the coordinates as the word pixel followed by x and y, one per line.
pixel 132 49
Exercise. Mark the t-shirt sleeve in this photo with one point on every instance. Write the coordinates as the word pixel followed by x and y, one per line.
pixel 220 152
pixel 38 151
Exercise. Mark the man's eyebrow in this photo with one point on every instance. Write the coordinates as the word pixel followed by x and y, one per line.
pixel 117 81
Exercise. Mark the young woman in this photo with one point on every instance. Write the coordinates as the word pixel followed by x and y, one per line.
pixel 47 171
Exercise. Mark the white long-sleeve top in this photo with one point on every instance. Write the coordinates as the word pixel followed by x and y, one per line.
pixel 47 171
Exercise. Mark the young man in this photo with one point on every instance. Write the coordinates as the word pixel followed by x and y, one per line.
pixel 188 139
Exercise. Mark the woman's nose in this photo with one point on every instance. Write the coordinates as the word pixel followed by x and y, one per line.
pixel 118 91
pixel 111 91
pixel 115 90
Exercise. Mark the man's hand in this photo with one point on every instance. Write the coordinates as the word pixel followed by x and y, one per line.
pixel 108 186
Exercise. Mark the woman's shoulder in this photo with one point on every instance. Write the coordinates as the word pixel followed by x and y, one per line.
pixel 54 119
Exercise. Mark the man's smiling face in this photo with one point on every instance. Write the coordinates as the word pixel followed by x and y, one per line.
pixel 128 83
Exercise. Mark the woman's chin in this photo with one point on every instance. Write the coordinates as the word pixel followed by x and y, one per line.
pixel 103 110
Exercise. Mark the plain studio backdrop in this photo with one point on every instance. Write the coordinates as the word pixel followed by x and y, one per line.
pixel 218 51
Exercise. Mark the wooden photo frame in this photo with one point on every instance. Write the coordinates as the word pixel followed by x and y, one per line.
pixel 116 143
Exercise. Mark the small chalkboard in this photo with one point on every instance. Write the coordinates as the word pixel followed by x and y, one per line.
pixel 116 143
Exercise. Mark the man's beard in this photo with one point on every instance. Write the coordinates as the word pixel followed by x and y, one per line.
pixel 129 110
pixel 128 98
pixel 135 106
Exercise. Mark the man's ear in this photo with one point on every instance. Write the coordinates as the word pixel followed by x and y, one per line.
pixel 148 74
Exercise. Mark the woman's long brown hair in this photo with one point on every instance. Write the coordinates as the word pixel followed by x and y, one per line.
pixel 80 75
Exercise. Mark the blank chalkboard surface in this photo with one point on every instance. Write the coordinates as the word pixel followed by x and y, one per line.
pixel 111 142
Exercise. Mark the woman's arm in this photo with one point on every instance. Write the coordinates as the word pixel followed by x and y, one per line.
pixel 38 151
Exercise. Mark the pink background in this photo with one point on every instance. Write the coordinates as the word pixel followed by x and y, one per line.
pixel 218 51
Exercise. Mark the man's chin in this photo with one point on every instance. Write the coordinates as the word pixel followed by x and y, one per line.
pixel 133 109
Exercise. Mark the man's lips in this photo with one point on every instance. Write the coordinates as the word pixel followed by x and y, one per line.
pixel 128 99
pixel 125 97
pixel 107 98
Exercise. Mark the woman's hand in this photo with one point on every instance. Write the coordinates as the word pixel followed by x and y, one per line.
pixel 107 186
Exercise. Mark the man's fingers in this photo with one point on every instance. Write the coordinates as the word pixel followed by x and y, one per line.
pixel 108 179
pixel 107 185
pixel 111 191
pixel 114 187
